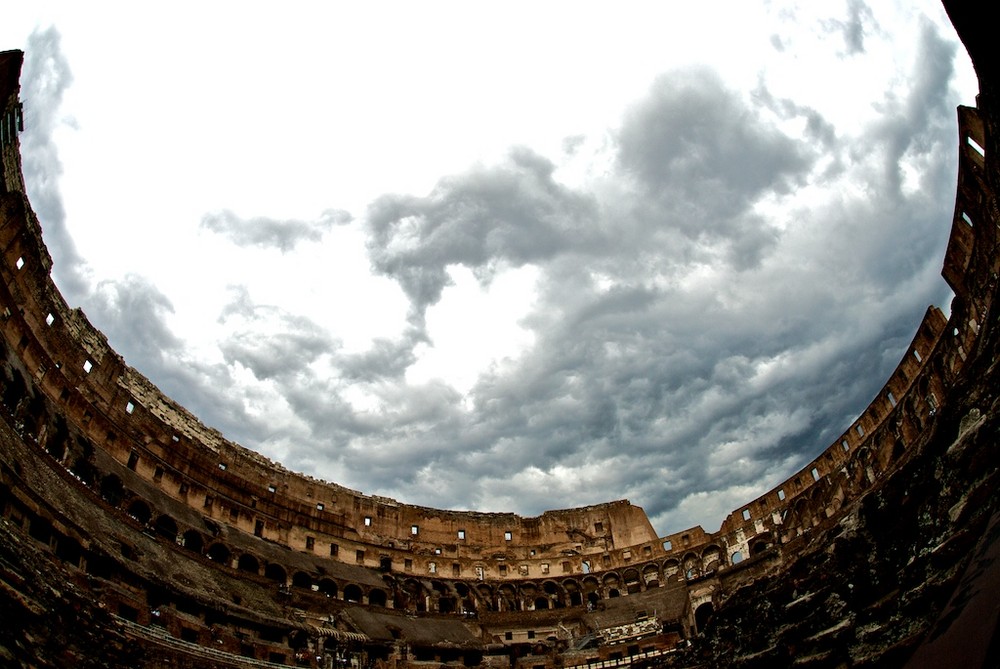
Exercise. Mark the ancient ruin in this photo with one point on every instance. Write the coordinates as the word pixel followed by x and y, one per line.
pixel 131 535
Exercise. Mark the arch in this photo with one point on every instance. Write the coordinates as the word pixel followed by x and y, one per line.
pixel 352 593
pixel 541 603
pixel 248 563
pixel 736 557
pixel 702 615
pixel 219 553
pixel 651 575
pixel 760 544
pixel 302 580
pixel 328 587
pixel 378 597
pixel 711 558
pixel 166 527
pixel 140 511
pixel 276 572
pixel 112 490
pixel 193 541
pixel 611 579
pixel 671 570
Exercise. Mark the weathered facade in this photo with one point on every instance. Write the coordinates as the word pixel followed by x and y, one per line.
pixel 133 535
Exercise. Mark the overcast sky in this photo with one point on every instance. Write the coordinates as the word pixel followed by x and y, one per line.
pixel 515 257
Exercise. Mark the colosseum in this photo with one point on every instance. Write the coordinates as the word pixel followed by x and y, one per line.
pixel 135 536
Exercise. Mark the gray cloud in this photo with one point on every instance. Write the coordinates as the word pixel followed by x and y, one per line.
pixel 45 78
pixel 853 29
pixel 688 351
pixel 266 232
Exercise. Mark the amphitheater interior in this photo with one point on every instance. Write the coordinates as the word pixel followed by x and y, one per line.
pixel 131 535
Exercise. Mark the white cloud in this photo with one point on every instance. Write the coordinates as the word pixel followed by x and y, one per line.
pixel 639 254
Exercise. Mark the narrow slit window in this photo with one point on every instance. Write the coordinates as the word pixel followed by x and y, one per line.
pixel 892 399
pixel 975 145
pixel 815 474
pixel 916 354
pixel 860 430
pixel 967 219
pixel 846 446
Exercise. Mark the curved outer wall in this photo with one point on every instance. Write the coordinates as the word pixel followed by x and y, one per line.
pixel 178 547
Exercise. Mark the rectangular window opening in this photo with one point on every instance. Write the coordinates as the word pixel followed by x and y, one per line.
pixel 50 319
pixel 507 536
pixel 20 263
pixel 781 495
pixel 815 474
pixel 334 550
pixel 129 407
pixel 461 534
pixel 860 430
pixel 971 142
pixel 916 354
pixel 271 488
pixel 319 506
pixel 414 530
pixel 746 514
pixel 892 399
pixel 87 366
pixel 668 545
pixel 368 521
pixel 967 219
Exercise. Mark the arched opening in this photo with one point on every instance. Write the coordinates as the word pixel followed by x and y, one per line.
pixel 248 563
pixel 302 580
pixel 112 490
pixel 218 553
pixel 139 510
pixel 736 557
pixel 276 573
pixel 166 528
pixel 328 587
pixel 193 541
pixel 702 615
pixel 377 597
pixel 613 592
pixel 592 599
pixel 69 551
pixel 651 575
pixel 352 593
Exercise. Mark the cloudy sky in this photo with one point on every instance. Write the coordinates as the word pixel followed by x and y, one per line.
pixel 510 257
